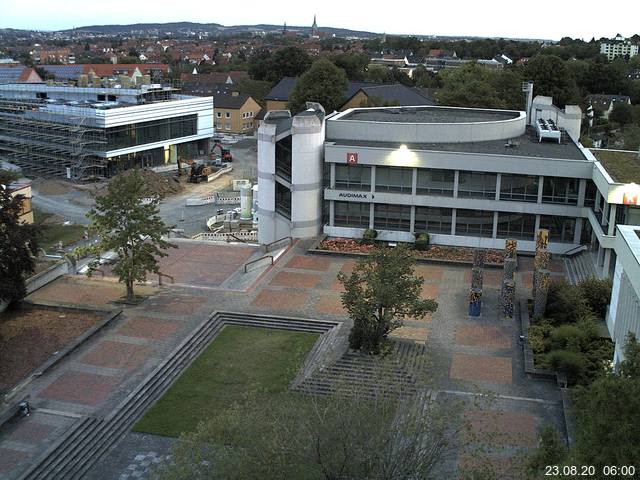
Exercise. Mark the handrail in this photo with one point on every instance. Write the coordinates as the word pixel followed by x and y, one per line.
pixel 257 260
pixel 160 275
pixel 233 236
pixel 574 250
pixel 266 247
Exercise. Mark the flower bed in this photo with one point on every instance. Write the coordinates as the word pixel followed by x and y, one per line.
pixel 436 252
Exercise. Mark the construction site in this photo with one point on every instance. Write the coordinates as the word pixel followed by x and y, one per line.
pixel 94 132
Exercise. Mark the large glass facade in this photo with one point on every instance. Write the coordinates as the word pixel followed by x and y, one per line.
pixel 477 185
pixel 435 182
pixel 142 133
pixel 474 223
pixel 516 225
pixel 391 217
pixel 433 220
pixel 283 158
pixel 351 214
pixel 561 229
pixel 560 190
pixel 520 188
pixel 357 177
pixel 394 179
pixel 283 200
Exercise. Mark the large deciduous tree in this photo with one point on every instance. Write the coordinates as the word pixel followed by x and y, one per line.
pixel 324 83
pixel 379 293
pixel 552 78
pixel 126 221
pixel 18 245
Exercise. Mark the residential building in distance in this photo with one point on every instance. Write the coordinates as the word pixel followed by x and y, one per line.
pixel 605 103
pixel 79 132
pixel 14 72
pixel 23 190
pixel 75 73
pixel 235 113
pixel 618 47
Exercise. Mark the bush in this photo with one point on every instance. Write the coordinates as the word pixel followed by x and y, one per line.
pixel 570 363
pixel 597 294
pixel 369 235
pixel 565 303
pixel 422 242
pixel 574 337
pixel 539 336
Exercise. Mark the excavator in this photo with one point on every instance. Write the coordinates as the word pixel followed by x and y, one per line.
pixel 225 153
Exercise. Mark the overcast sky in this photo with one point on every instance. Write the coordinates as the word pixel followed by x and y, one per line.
pixel 547 19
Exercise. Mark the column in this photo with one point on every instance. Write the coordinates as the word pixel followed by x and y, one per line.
pixel 453 221
pixel 577 233
pixel 537 225
pixel 371 214
pixel 373 179
pixel 612 219
pixel 494 230
pixel 540 188
pixel 412 224
pixel 582 190
pixel 332 212
pixel 498 183
pixel 414 184
pixel 456 178
pixel 332 178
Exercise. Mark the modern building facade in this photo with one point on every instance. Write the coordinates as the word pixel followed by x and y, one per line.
pixel 618 47
pixel 85 131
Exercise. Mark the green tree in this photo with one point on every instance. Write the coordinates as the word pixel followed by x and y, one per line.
pixel 324 83
pixel 631 137
pixel 260 64
pixel 551 77
pixel 288 62
pixel 353 63
pixel 379 293
pixel 18 244
pixel 378 74
pixel 551 451
pixel 126 221
pixel 621 113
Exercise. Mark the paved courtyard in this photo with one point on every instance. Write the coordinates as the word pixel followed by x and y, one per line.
pixel 468 357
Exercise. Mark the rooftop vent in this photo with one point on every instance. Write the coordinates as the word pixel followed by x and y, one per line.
pixel 548 130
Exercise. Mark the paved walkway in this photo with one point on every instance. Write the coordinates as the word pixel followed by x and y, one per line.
pixel 468 355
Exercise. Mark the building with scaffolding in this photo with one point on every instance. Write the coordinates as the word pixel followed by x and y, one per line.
pixel 83 132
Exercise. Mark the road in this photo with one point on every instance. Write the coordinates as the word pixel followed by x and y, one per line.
pixel 73 205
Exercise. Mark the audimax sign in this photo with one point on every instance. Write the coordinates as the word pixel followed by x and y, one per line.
pixel 362 196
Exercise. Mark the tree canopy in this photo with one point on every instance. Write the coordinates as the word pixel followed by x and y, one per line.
pixel 552 78
pixel 287 62
pixel 324 83
pixel 126 221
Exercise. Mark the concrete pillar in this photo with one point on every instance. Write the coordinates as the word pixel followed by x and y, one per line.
pixel 498 186
pixel 453 219
pixel 494 231
pixel 612 219
pixel 412 222
pixel 537 224
pixel 332 176
pixel 456 179
pixel 414 182
pixel 540 188
pixel 371 214
pixel 266 183
pixel 577 233
pixel 332 213
pixel 582 189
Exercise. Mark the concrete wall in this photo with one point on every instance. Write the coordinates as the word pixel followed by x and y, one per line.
pixel 47 276
pixel 266 183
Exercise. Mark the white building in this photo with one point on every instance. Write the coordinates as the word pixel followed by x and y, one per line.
pixel 618 47
pixel 81 131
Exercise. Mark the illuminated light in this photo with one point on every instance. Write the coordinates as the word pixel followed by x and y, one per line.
pixel 404 157
pixel 630 194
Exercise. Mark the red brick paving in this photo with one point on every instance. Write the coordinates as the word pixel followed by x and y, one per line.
pixel 503 427
pixel 80 387
pixel 31 432
pixel 177 305
pixel 79 290
pixel 483 336
pixel 330 304
pixel 10 459
pixel 295 280
pixel 148 328
pixel 111 354
pixel 280 299
pixel 493 466
pixel 481 368
pixel 320 264
pixel 430 273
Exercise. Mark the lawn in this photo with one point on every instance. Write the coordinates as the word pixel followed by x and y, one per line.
pixel 623 166
pixel 52 233
pixel 240 360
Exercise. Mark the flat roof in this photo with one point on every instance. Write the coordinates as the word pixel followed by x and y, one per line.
pixel 429 114
pixel 623 166
pixel 523 146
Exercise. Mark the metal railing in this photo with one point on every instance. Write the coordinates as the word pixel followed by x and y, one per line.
pixel 574 250
pixel 268 246
pixel 231 235
pixel 257 260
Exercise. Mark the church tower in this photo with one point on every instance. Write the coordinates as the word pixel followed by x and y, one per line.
pixel 314 27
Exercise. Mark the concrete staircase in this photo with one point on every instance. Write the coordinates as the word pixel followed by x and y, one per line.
pixel 397 375
pixel 579 267
pixel 90 438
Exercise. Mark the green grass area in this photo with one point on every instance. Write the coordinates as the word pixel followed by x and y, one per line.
pixel 624 167
pixel 241 360
pixel 52 233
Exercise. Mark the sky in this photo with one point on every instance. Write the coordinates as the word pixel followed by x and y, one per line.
pixel 547 19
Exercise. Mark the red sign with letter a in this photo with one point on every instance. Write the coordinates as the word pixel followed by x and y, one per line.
pixel 352 159
pixel 630 199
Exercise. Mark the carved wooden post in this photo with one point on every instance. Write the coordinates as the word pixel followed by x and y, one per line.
pixel 475 302
pixel 508 297
pixel 476 278
pixel 540 297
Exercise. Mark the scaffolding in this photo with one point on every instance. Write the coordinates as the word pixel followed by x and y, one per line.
pixel 50 143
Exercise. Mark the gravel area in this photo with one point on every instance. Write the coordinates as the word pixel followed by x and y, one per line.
pixel 30 335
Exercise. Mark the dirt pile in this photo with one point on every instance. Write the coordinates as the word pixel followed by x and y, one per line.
pixel 158 184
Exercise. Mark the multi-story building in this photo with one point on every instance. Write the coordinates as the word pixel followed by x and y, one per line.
pixel 85 131
pixel 235 113
pixel 618 47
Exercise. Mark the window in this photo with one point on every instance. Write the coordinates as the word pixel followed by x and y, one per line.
pixel 516 225
pixel 283 200
pixel 477 185
pixel 150 132
pixel 356 177
pixel 520 188
pixel 283 158
pixel 102 97
pixel 227 126
pixel 351 214
pixel 227 115
pixel 392 217
pixel 433 220
pixel 218 114
pixel 560 190
pixel 560 228
pixel 590 194
pixel 394 179
pixel 474 223
pixel 435 182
